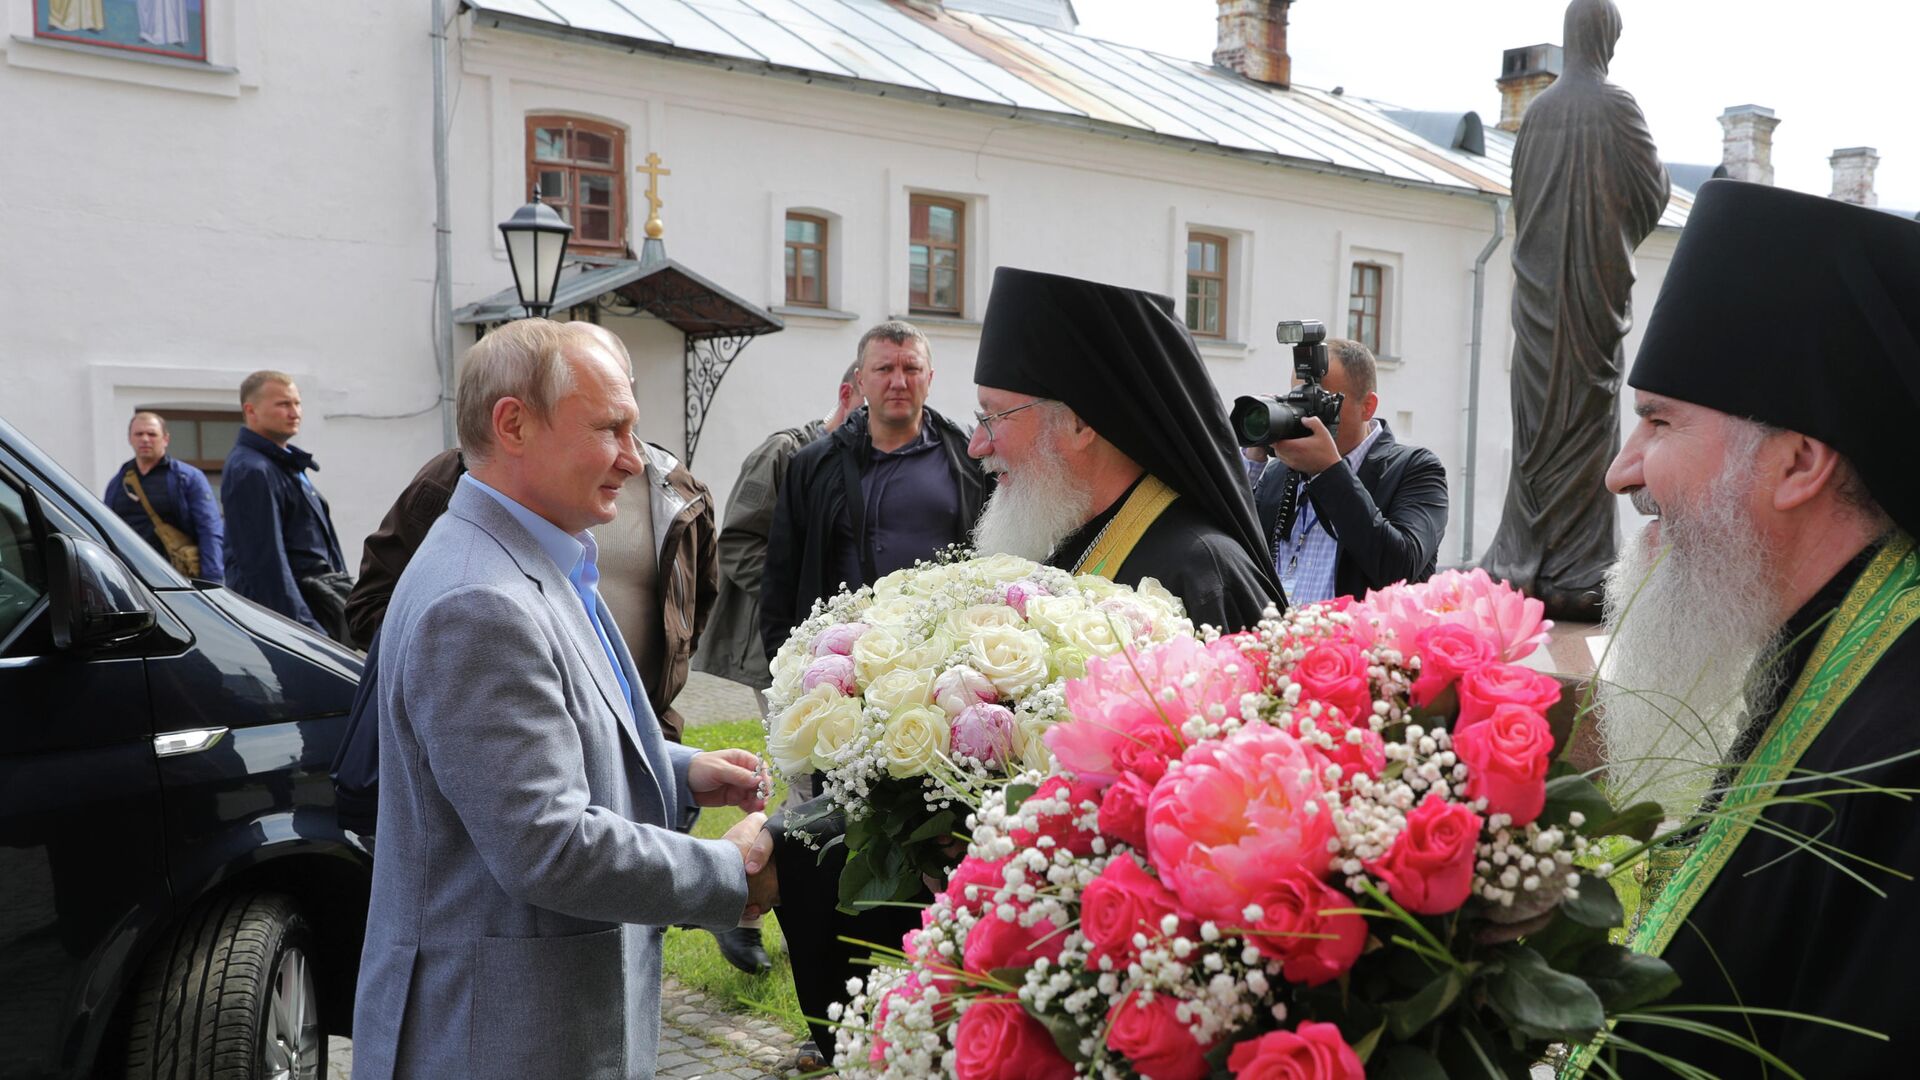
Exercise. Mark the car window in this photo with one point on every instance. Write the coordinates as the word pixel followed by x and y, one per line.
pixel 22 572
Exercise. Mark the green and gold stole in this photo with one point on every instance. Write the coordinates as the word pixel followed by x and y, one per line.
pixel 1879 606
pixel 1149 499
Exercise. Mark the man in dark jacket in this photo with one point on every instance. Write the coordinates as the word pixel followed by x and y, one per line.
pixel 281 548
pixel 176 493
pixel 1353 510
pixel 891 486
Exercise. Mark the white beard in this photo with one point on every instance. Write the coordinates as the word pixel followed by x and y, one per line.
pixel 1031 511
pixel 1687 631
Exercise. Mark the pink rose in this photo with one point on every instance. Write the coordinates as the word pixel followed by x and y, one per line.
pixel 996 943
pixel 973 883
pixel 1500 684
pixel 997 1040
pixel 833 670
pixel 1123 811
pixel 1314 1052
pixel 960 686
pixel 1368 755
pixel 1293 929
pixel 1145 752
pixel 1446 652
pixel 984 733
pixel 1236 815
pixel 837 640
pixel 1335 674
pixel 1507 755
pixel 1150 1036
pixel 1429 868
pixel 1061 827
pixel 1123 901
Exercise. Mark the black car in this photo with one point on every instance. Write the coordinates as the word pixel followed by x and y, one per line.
pixel 177 898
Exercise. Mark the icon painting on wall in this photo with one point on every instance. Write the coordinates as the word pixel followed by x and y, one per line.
pixel 163 27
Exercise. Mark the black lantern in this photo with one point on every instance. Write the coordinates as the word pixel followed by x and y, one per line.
pixel 536 241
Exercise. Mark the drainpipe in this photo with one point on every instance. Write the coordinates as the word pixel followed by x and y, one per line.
pixel 1473 373
pixel 442 232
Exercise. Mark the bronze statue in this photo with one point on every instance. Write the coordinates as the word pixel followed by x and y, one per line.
pixel 1588 187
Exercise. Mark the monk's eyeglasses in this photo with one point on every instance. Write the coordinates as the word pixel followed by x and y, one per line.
pixel 985 420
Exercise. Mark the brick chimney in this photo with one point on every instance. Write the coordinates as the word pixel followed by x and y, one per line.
pixel 1746 147
pixel 1853 175
pixel 1252 40
pixel 1523 74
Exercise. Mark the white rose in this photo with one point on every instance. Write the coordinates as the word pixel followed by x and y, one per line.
pixel 1049 613
pixel 964 622
pixel 1095 587
pixel 1068 662
pixel 1030 746
pixel 897 612
pixel 837 725
pixel 915 738
pixel 929 580
pixel 1097 633
pixel 879 651
pixel 1001 568
pixel 1013 660
pixel 892 585
pixel 960 686
pixel 899 688
pixel 792 735
pixel 1152 592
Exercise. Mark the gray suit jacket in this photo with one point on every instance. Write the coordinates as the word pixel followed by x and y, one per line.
pixel 526 868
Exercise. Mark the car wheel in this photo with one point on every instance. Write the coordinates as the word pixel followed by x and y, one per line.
pixel 230 997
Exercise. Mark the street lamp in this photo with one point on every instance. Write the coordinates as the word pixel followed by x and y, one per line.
pixel 536 241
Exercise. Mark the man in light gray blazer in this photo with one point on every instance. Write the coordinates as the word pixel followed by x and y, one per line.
pixel 528 861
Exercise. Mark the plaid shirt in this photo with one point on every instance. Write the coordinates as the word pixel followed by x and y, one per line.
pixel 1306 560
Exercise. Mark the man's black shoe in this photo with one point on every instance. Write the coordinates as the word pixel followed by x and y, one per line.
pixel 742 948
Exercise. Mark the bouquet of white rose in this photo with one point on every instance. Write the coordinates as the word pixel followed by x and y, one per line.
pixel 917 695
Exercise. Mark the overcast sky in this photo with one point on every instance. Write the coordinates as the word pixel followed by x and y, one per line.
pixel 1837 73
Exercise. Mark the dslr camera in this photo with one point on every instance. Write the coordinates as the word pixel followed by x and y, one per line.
pixel 1272 418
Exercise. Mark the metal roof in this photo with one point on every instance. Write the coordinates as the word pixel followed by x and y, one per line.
pixel 1013 68
pixel 676 295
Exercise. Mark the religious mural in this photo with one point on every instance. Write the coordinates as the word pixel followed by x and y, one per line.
pixel 164 27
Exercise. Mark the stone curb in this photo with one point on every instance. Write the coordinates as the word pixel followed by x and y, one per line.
pixel 748 1039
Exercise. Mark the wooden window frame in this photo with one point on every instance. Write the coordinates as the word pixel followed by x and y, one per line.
pixel 958 247
pixel 1356 291
pixel 212 466
pixel 823 247
pixel 569 207
pixel 1224 277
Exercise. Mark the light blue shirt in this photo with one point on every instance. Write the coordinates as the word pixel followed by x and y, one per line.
pixel 578 557
pixel 1307 560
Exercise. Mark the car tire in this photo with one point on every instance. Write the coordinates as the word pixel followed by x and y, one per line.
pixel 230 997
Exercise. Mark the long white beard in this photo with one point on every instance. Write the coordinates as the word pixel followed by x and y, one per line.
pixel 1686 632
pixel 1032 510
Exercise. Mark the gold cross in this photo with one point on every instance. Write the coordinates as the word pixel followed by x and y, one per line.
pixel 654 173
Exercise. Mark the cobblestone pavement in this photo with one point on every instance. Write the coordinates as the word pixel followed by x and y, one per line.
pixel 698 1041
pixel 710 699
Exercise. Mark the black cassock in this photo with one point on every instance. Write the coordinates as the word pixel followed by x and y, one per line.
pixel 1791 930
pixel 1196 560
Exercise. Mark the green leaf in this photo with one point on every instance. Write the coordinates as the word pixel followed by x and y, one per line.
pixel 1539 1002
pixel 1563 937
pixel 1066 1035
pixel 1637 821
pixel 877 874
pixel 1405 1018
pixel 1369 1042
pixel 1018 794
pixel 1597 905
pixel 1398 1061
pixel 1570 793
pixel 939 825
pixel 1562 716
pixel 1625 979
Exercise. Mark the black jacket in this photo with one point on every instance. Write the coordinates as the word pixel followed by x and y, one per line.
pixel 1387 518
pixel 800 558
pixel 279 529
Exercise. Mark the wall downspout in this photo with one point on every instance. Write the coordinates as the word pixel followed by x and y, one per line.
pixel 442 233
pixel 1473 373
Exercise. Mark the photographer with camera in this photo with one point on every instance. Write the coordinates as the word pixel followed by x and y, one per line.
pixel 1345 506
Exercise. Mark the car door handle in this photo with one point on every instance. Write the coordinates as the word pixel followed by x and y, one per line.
pixel 175 743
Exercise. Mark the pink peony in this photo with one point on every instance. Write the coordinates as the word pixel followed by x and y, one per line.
pixel 1496 610
pixel 1429 868
pixel 1446 652
pixel 1123 811
pixel 996 1040
pixel 1062 828
pixel 1293 929
pixel 1500 684
pixel 1152 1039
pixel 995 943
pixel 973 883
pixel 1313 1052
pixel 1019 592
pixel 1121 723
pixel 1506 755
pixel 984 733
pixel 1123 901
pixel 1239 812
pixel 960 686
pixel 837 640
pixel 833 670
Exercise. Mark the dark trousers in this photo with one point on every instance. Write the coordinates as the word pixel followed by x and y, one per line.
pixel 813 926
